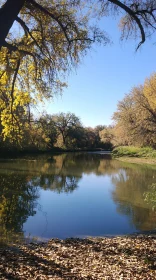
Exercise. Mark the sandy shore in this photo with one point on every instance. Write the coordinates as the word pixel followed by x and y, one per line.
pixel 132 257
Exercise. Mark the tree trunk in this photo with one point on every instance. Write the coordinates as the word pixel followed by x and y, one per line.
pixel 8 14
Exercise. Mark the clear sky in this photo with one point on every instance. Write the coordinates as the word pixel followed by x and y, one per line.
pixel 105 75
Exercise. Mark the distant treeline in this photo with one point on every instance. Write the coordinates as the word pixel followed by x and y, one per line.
pixel 54 132
pixel 134 123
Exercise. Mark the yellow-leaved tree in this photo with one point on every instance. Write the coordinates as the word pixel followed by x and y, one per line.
pixel 150 91
pixel 48 39
pixel 41 40
pixel 135 118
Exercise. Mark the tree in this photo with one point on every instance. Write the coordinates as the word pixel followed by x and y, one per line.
pixel 140 14
pixel 107 137
pixel 53 37
pixel 146 117
pixel 90 138
pixel 135 118
pixel 97 130
pixel 150 91
pixel 138 17
pixel 125 121
pixel 48 127
pixel 68 127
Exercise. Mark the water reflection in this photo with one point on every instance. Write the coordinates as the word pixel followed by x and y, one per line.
pixel 21 182
pixel 129 195
pixel 57 183
pixel 18 200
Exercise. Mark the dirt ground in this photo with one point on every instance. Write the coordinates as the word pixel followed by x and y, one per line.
pixel 132 257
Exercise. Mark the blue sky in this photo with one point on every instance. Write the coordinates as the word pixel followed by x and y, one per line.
pixel 105 75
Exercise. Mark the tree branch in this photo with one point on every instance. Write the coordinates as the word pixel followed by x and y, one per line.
pixel 27 30
pixel 8 14
pixel 13 86
pixel 45 11
pixel 133 15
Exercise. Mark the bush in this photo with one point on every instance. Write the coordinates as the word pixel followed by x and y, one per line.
pixel 132 151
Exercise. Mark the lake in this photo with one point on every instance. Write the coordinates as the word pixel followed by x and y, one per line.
pixel 74 195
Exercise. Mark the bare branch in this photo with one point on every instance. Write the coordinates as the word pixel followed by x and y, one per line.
pixel 8 14
pixel 13 86
pixel 26 28
pixel 133 15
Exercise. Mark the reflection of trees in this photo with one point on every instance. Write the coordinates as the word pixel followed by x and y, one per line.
pixel 65 183
pixel 57 183
pixel 131 184
pixel 86 163
pixel 21 180
pixel 17 202
pixel 150 196
pixel 71 163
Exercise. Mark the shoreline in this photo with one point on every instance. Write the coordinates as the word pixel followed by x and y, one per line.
pixel 126 257
pixel 22 154
pixel 137 160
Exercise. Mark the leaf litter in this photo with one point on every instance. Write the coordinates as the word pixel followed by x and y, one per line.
pixel 128 257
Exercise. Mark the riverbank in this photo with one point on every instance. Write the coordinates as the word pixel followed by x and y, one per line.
pixel 151 161
pixel 135 155
pixel 131 257
pixel 9 154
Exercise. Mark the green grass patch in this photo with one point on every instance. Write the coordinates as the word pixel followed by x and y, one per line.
pixel 132 151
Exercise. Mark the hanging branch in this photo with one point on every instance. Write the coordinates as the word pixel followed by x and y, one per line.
pixel 134 16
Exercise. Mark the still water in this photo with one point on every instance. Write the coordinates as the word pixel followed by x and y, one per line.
pixel 74 195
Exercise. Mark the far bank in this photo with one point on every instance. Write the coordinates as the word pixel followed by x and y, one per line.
pixel 137 155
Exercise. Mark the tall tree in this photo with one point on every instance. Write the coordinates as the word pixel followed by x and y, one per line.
pixel 139 15
pixel 41 40
pixel 150 91
pixel 107 136
pixel 136 116
pixel 68 127
pixel 52 38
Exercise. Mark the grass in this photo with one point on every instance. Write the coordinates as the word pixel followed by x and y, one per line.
pixel 131 151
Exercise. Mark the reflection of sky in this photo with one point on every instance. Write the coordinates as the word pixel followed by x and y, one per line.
pixel 89 210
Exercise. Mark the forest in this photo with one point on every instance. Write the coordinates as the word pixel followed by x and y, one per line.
pixel 39 45
pixel 133 124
